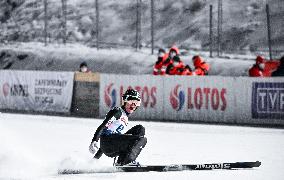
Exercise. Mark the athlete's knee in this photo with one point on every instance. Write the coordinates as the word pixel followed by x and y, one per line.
pixel 137 130
pixel 141 130
pixel 143 141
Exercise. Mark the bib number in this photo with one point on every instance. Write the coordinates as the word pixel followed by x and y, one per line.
pixel 120 128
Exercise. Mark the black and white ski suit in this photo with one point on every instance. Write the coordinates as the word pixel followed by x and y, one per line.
pixel 116 140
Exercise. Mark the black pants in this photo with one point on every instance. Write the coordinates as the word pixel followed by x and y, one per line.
pixel 126 146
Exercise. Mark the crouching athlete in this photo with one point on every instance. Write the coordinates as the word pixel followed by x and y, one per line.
pixel 115 140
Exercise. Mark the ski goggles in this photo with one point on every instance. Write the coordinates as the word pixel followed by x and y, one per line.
pixel 135 102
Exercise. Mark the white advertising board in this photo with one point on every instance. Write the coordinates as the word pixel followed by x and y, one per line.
pixel 36 90
pixel 261 100
pixel 199 98
pixel 113 86
pixel 217 99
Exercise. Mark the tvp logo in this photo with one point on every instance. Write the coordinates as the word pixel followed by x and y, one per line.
pixel 177 98
pixel 110 95
pixel 268 100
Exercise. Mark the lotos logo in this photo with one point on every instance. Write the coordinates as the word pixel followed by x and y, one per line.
pixel 177 98
pixel 110 95
pixel 6 89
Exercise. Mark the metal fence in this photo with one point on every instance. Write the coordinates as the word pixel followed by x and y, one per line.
pixel 218 26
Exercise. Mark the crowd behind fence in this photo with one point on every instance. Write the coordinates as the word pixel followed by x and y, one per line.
pixel 217 26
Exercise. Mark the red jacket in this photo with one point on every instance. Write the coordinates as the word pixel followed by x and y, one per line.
pixel 159 68
pixel 201 67
pixel 176 67
pixel 201 70
pixel 165 65
pixel 270 66
pixel 255 71
pixel 187 71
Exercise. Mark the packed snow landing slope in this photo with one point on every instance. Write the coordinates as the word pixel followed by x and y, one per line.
pixel 35 147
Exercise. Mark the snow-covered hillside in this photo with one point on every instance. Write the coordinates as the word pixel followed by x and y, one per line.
pixel 58 57
pixel 183 22
pixel 177 21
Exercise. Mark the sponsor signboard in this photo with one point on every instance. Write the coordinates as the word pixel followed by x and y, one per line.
pixel 200 99
pixel 112 88
pixel 181 98
pixel 37 91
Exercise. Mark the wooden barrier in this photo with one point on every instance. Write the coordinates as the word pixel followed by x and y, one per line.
pixel 85 101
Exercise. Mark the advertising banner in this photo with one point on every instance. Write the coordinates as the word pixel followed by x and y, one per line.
pixel 199 98
pixel 112 88
pixel 259 100
pixel 36 90
pixel 241 100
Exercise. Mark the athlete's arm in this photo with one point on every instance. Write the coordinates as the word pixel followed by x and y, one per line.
pixel 114 112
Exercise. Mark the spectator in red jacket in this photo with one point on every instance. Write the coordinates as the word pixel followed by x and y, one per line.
pixel 173 51
pixel 175 65
pixel 201 67
pixel 187 71
pixel 257 70
pixel 159 69
pixel 270 66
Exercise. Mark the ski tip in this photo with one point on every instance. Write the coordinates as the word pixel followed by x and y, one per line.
pixel 257 163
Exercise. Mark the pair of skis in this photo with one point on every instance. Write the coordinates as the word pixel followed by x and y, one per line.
pixel 173 167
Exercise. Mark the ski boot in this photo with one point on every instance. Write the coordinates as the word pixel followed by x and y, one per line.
pixel 132 163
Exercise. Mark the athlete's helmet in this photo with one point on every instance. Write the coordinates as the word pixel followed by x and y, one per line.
pixel 131 95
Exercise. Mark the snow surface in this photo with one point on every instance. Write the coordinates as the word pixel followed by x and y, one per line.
pixel 36 146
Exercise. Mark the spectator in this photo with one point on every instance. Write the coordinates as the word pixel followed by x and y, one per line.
pixel 169 59
pixel 187 71
pixel 270 66
pixel 257 70
pixel 159 69
pixel 175 65
pixel 201 67
pixel 280 69
pixel 84 68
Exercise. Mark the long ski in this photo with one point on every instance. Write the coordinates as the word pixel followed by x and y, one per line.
pixel 182 167
pixel 164 168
